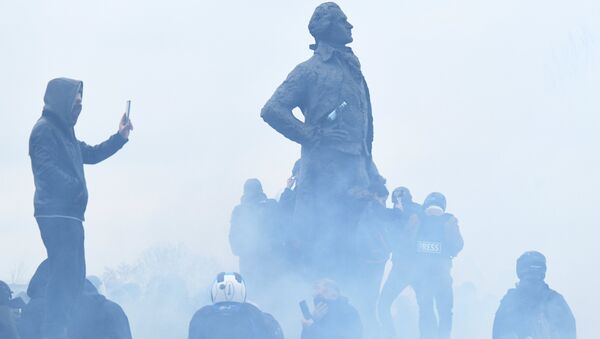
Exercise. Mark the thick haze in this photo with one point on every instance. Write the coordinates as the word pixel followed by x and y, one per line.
pixel 494 103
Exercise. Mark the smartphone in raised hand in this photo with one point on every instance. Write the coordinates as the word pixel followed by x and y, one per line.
pixel 127 109
pixel 305 311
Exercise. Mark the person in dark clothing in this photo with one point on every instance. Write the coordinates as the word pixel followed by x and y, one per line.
pixel 8 326
pixel 291 236
pixel 253 235
pixel 230 316
pixel 336 138
pixel 32 315
pixel 532 309
pixel 57 159
pixel 438 241
pixel 370 252
pixel 404 220
pixel 96 317
pixel 287 200
pixel 93 315
pixel 333 316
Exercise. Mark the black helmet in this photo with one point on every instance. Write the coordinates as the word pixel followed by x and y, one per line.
pixel 252 186
pixel 435 199
pixel 5 293
pixel 401 194
pixel 531 265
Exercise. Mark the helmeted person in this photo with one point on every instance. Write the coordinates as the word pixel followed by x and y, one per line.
pixel 370 254
pixel 336 137
pixel 333 316
pixel 532 309
pixel 437 242
pixel 231 316
pixel 404 221
pixel 254 233
pixel 8 326
pixel 96 317
pixel 61 196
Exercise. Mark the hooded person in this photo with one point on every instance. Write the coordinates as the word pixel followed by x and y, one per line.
pixel 532 309
pixel 230 316
pixel 61 196
pixel 32 315
pixel 96 317
pixel 253 234
pixel 93 315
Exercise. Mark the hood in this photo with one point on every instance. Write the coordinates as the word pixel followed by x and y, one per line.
pixel 59 99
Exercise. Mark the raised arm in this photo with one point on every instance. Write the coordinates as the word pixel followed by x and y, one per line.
pixel 100 152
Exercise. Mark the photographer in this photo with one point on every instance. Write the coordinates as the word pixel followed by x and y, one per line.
pixel 61 196
pixel 333 317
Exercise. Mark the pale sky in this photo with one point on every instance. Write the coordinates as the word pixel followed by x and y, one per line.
pixel 494 103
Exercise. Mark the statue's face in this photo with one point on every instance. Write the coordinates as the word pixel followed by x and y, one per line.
pixel 340 30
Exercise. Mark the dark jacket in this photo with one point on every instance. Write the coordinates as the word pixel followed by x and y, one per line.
pixel 437 241
pixel 233 321
pixel 534 310
pixel 253 231
pixel 57 157
pixel 372 234
pixel 401 223
pixel 32 315
pixel 341 322
pixel 96 317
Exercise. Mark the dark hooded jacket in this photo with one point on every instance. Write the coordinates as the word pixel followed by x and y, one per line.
pixel 253 226
pixel 96 317
pixel 57 157
pixel 32 315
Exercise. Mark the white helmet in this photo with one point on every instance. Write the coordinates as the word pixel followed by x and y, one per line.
pixel 228 287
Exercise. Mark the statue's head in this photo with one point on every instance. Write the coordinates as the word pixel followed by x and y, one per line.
pixel 329 24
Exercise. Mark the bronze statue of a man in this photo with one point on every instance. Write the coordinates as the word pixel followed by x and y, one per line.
pixel 337 170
